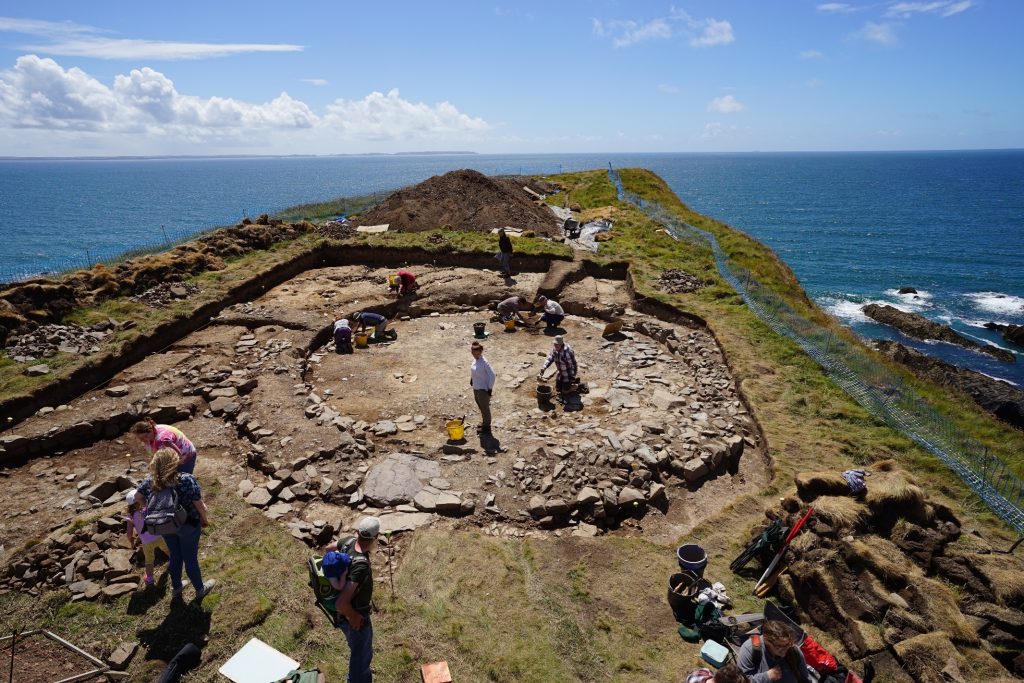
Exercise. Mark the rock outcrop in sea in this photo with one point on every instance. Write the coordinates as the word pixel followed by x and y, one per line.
pixel 920 327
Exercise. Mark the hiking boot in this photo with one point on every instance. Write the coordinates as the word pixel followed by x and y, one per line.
pixel 176 593
pixel 207 587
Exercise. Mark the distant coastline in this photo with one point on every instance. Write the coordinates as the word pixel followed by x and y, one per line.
pixel 238 156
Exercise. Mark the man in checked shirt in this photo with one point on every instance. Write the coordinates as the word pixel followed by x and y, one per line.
pixel 564 359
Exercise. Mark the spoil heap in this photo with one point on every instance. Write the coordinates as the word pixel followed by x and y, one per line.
pixel 462 200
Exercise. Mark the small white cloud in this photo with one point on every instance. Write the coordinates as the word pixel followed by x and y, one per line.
pixel 811 54
pixel 726 105
pixel 389 117
pixel 626 33
pixel 836 8
pixel 668 88
pixel 315 81
pixel 944 8
pixel 716 130
pixel 715 33
pixel 883 34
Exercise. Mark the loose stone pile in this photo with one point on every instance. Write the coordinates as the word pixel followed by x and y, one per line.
pixel 166 293
pixel 675 281
pixel 336 230
pixel 46 341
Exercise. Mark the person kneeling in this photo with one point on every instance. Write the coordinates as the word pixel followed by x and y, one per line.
pixel 342 337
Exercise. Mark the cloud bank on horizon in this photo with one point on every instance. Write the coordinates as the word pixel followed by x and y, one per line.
pixel 78 80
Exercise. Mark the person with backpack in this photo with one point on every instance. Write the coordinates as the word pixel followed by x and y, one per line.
pixel 154 437
pixel 136 525
pixel 773 656
pixel 176 511
pixel 353 604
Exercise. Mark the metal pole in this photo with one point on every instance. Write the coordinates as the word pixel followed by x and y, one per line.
pixel 10 674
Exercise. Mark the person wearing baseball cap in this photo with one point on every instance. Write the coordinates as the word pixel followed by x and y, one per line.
pixel 353 604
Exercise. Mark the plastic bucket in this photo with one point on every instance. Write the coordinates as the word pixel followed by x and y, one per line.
pixel 478 329
pixel 362 340
pixel 392 281
pixel 543 392
pixel 682 588
pixel 456 429
pixel 692 558
pixel 510 325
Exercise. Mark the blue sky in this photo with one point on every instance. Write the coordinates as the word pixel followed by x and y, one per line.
pixel 120 78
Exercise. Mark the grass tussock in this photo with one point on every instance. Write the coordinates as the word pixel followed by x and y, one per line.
pixel 811 485
pixel 943 612
pixel 926 655
pixel 1005 575
pixel 886 560
pixel 841 512
pixel 894 491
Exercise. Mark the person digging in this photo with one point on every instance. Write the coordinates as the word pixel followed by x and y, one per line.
pixel 564 359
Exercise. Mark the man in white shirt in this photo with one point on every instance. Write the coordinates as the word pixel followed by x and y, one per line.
pixel 481 378
pixel 553 313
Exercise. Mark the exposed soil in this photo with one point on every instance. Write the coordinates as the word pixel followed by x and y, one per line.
pixel 37 659
pixel 462 200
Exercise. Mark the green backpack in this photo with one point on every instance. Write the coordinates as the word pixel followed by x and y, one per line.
pixel 296 676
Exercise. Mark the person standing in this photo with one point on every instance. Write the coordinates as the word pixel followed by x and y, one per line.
pixel 356 598
pixel 481 378
pixel 504 254
pixel 165 477
pixel 154 437
pixel 564 359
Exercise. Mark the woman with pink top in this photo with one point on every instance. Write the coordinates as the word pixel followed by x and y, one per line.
pixel 136 526
pixel 154 437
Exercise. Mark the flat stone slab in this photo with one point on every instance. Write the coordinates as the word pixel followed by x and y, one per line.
pixel 398 479
pixel 405 521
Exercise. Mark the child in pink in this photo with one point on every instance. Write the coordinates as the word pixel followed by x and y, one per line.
pixel 136 534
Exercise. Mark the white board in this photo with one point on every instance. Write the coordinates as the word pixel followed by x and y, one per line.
pixel 257 662
pixel 373 228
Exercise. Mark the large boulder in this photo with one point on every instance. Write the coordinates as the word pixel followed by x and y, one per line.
pixel 920 327
pixel 398 479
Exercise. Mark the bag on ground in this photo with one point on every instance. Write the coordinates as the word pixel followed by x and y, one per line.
pixel 165 515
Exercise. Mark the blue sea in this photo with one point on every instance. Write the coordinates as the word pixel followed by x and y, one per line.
pixel 854 227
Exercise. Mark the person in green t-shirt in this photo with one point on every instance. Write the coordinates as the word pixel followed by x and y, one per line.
pixel 354 602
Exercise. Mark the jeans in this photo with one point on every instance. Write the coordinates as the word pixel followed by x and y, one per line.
pixel 483 402
pixel 184 549
pixel 189 466
pixel 505 259
pixel 360 645
pixel 552 320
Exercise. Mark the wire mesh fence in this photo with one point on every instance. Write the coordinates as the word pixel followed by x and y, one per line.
pixel 878 389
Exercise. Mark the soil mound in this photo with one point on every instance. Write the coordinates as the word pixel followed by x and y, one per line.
pixel 463 200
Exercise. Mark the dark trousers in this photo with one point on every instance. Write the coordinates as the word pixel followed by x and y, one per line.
pixel 360 645
pixel 483 402
pixel 184 549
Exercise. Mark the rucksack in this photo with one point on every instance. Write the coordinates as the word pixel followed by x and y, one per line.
pixel 165 514
pixel 708 620
pixel 296 676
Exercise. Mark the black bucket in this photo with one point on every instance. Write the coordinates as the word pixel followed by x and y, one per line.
pixel 478 330
pixel 682 591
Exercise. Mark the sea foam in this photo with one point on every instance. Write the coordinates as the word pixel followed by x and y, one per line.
pixel 994 302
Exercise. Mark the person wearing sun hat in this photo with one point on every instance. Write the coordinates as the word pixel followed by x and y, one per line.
pixel 564 359
pixel 353 604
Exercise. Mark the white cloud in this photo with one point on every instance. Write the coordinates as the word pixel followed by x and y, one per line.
pixel 38 93
pixel 75 40
pixel 883 34
pixel 388 117
pixel 109 48
pixel 703 33
pixel 836 8
pixel 811 54
pixel 315 81
pixel 625 33
pixel 717 130
pixel 715 33
pixel 668 88
pixel 944 8
pixel 726 105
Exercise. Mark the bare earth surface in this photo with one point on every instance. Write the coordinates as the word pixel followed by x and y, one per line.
pixel 660 443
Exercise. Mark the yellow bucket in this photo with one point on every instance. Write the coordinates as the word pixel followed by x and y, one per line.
pixel 392 280
pixel 510 324
pixel 362 340
pixel 456 429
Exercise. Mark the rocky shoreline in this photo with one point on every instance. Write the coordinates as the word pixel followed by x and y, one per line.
pixel 920 327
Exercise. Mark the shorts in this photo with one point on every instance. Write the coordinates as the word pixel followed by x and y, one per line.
pixel 149 550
